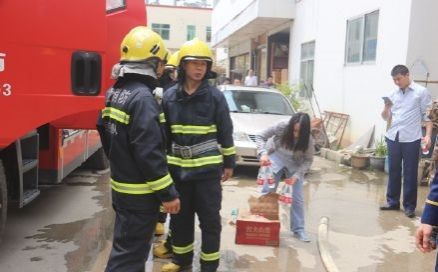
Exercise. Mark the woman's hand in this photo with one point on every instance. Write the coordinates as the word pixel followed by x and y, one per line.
pixel 264 160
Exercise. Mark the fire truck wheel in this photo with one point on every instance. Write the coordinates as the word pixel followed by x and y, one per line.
pixel 3 199
pixel 97 161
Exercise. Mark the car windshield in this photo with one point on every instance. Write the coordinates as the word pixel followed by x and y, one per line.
pixel 257 102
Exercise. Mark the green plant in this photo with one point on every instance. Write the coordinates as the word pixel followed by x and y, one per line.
pixel 381 148
pixel 291 92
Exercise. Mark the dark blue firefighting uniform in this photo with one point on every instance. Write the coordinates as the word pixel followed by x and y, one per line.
pixel 194 123
pixel 430 212
pixel 133 139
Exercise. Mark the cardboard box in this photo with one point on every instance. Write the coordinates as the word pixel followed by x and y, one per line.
pixel 256 230
pixel 265 206
pixel 260 226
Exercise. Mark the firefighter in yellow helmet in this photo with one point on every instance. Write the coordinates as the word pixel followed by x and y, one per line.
pixel 167 80
pixel 201 156
pixel 170 75
pixel 134 141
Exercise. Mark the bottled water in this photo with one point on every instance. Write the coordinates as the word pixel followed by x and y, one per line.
pixel 286 192
pixel 265 177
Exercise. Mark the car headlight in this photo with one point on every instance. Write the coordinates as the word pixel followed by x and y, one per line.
pixel 240 136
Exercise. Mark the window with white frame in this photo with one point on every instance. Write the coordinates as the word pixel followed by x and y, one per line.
pixel 163 30
pixel 306 66
pixel 361 41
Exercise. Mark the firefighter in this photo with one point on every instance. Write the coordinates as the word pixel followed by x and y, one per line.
pixel 169 78
pixel 129 127
pixel 170 75
pixel 198 122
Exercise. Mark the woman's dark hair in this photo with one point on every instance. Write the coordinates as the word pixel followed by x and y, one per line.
pixel 287 139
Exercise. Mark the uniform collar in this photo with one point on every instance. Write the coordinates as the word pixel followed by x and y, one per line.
pixel 202 89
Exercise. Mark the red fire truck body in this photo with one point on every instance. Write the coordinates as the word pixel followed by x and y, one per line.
pixel 55 65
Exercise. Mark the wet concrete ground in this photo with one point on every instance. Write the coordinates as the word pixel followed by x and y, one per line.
pixel 69 227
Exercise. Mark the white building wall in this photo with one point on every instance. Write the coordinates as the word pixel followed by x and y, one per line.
pixel 244 18
pixel 423 43
pixel 226 10
pixel 179 18
pixel 352 89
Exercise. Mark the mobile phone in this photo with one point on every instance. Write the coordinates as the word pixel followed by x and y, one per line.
pixel 433 237
pixel 386 99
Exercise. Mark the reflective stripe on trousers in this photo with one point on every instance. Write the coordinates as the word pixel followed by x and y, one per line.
pixel 202 197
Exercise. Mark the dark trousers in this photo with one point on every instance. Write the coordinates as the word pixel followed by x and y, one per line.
pixel 133 232
pixel 202 197
pixel 162 219
pixel 436 264
pixel 409 155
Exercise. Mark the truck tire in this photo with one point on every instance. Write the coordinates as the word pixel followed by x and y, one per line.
pixel 3 199
pixel 97 161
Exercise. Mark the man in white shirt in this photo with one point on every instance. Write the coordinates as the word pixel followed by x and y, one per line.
pixel 251 79
pixel 406 107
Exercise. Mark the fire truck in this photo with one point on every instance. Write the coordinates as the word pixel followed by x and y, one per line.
pixel 55 65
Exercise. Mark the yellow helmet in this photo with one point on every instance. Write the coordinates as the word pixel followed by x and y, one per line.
pixel 168 54
pixel 194 50
pixel 172 62
pixel 141 43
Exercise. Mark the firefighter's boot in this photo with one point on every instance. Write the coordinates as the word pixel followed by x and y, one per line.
pixel 162 252
pixel 159 229
pixel 172 267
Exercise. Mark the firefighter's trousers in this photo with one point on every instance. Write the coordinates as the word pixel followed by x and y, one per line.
pixel 133 232
pixel 202 197
pixel 162 219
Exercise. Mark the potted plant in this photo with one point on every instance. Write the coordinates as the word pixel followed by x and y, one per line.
pixel 359 158
pixel 377 161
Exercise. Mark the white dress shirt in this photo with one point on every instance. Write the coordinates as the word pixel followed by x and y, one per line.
pixel 408 108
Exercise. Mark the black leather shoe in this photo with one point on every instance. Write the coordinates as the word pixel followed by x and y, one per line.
pixel 389 208
pixel 410 214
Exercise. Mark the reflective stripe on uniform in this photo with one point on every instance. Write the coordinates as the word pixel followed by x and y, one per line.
pixel 181 129
pixel 162 209
pixel 161 183
pixel 134 189
pixel 116 114
pixel 141 188
pixel 431 202
pixel 194 162
pixel 183 250
pixel 210 256
pixel 229 151
pixel 162 118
